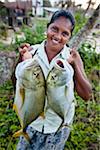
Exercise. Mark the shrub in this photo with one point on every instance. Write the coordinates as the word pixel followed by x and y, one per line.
pixel 3 30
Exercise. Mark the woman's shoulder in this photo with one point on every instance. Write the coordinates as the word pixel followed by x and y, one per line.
pixel 37 47
pixel 66 52
pixel 34 48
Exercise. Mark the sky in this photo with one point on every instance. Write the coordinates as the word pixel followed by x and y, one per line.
pixel 83 2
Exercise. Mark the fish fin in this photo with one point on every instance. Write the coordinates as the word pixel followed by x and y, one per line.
pixel 42 115
pixel 16 110
pixel 22 94
pixel 65 90
pixel 19 133
pixel 26 136
pixel 14 107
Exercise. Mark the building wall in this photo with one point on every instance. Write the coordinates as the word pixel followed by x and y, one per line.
pixel 37 7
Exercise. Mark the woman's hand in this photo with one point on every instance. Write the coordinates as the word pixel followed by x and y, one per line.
pixel 75 58
pixel 24 51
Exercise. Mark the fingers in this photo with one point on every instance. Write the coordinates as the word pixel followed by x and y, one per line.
pixel 73 51
pixel 73 56
pixel 26 55
pixel 30 48
pixel 70 60
pixel 24 45
pixel 23 50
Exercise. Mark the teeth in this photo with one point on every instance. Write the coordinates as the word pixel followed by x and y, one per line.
pixel 55 41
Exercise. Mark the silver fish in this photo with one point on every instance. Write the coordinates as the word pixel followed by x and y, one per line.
pixel 30 93
pixel 57 98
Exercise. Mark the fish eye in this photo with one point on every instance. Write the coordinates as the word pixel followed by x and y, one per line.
pixel 34 73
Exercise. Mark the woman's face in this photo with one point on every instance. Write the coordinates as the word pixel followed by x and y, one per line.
pixel 58 34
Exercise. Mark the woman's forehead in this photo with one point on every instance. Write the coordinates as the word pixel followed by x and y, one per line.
pixel 62 21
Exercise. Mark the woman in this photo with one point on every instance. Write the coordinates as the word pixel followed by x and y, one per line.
pixel 52 131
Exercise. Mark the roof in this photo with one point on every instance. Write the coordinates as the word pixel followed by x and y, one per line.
pixel 19 4
pixel 51 9
pixel 1 4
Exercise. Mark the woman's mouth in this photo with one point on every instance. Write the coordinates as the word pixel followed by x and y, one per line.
pixel 55 41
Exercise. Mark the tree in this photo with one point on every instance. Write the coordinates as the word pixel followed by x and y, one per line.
pixel 65 3
pixel 46 3
pixel 89 4
pixel 81 35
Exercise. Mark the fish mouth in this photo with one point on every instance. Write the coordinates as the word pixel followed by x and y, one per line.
pixel 60 64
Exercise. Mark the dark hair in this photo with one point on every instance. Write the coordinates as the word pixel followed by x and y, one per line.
pixel 63 13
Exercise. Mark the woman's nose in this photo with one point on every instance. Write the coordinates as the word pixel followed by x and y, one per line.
pixel 58 36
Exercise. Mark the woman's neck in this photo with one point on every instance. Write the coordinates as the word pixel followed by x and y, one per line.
pixel 51 53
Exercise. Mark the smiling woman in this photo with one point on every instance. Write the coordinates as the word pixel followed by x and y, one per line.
pixel 58 34
pixel 58 64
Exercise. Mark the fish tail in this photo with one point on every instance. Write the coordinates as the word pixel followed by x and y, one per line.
pixel 21 132
pixel 18 133
pixel 42 115
pixel 16 110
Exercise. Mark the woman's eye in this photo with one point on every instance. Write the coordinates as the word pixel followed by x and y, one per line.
pixel 54 29
pixel 65 34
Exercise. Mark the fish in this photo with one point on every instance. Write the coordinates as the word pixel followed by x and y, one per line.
pixel 57 90
pixel 30 92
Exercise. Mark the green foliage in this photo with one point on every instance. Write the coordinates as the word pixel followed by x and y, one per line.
pixel 46 3
pixel 3 12
pixel 89 56
pixel 8 119
pixel 80 22
pixel 3 30
pixel 85 132
pixel 34 34
pixel 11 47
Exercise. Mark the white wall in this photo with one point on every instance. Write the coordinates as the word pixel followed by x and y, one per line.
pixel 38 4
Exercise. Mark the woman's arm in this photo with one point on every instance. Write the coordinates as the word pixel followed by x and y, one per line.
pixel 82 85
